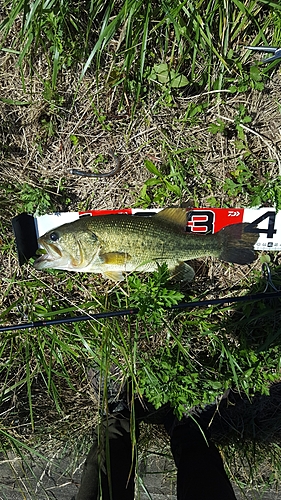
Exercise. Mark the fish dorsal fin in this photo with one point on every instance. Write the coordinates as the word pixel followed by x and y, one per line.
pixel 176 216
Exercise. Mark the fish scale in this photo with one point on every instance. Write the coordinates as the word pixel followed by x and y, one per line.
pixel 146 235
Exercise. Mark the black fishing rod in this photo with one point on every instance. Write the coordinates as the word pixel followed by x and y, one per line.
pixel 134 311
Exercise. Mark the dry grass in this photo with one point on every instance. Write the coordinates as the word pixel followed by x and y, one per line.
pixel 33 157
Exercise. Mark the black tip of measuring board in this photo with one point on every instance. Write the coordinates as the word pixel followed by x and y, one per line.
pixel 25 236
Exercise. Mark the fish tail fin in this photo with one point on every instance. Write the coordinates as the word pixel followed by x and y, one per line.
pixel 237 245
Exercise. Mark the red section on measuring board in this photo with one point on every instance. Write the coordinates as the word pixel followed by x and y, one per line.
pixel 203 220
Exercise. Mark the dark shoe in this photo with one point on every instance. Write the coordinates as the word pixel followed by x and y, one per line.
pixel 146 412
pixel 115 396
pixel 110 390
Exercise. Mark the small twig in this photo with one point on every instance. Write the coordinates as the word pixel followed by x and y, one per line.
pixel 210 92
pixel 143 132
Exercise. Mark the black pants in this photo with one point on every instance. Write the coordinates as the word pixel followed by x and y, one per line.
pixel 110 466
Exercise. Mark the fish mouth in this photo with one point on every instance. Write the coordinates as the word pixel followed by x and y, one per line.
pixel 51 254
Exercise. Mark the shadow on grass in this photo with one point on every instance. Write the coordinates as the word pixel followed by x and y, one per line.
pixel 255 330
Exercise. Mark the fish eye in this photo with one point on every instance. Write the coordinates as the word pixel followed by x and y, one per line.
pixel 54 236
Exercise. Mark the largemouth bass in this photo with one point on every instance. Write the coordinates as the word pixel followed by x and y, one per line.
pixel 114 244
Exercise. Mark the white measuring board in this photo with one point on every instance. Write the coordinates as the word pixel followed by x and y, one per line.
pixel 264 221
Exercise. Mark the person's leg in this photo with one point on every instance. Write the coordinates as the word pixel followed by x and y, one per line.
pixel 201 475
pixel 109 470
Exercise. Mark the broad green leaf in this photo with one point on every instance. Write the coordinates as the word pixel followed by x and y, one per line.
pixel 152 168
pixel 154 181
pixel 163 74
pixel 172 187
pixel 179 81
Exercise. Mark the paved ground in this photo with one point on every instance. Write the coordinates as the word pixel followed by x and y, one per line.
pixel 58 479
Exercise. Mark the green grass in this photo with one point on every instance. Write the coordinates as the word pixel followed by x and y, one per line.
pixel 164 44
pixel 196 355
pixel 128 73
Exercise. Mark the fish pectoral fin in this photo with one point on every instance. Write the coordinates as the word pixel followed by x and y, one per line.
pixel 109 259
pixel 183 272
pixel 113 275
pixel 176 216
pixel 115 258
